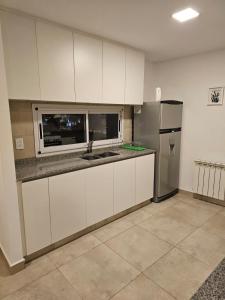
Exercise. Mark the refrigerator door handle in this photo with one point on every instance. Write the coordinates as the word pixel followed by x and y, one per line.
pixel 172 143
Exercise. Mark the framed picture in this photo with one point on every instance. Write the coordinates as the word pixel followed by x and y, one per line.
pixel 216 96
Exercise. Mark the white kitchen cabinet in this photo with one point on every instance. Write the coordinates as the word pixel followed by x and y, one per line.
pixel 99 193
pixel 56 64
pixel 88 68
pixel 36 214
pixel 113 73
pixel 21 58
pixel 134 90
pixel 124 185
pixel 144 177
pixel 67 204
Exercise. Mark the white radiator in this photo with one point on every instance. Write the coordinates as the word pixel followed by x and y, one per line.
pixel 209 180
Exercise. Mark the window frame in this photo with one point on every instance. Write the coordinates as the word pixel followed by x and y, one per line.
pixel 40 109
pixel 109 141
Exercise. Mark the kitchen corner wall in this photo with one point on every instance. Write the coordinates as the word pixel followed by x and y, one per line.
pixel 10 231
pixel 149 83
pixel 22 125
pixel 189 79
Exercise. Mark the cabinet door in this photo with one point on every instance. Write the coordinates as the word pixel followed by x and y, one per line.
pixel 88 68
pixel 124 185
pixel 56 66
pixel 144 177
pixel 113 73
pixel 20 57
pixel 36 214
pixel 99 193
pixel 67 204
pixel 134 77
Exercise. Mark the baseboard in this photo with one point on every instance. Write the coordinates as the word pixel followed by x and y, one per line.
pixel 184 192
pixel 85 231
pixel 15 267
pixel 208 199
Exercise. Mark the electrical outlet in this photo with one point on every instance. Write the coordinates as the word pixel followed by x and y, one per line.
pixel 19 143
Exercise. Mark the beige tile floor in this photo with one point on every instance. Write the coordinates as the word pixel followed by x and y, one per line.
pixel 160 252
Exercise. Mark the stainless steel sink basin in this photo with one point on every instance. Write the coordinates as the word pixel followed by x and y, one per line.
pixel 98 156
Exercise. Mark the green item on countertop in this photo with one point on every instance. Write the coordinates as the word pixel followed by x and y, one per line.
pixel 132 147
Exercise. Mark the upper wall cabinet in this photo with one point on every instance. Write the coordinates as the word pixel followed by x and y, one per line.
pixel 20 57
pixel 47 62
pixel 134 77
pixel 113 73
pixel 88 68
pixel 56 65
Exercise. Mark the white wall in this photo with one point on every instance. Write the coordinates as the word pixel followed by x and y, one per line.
pixel 10 234
pixel 189 80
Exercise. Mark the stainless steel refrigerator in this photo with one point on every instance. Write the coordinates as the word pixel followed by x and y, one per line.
pixel 158 126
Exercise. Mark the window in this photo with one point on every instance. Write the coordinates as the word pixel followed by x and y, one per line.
pixel 63 129
pixel 103 127
pixel 67 129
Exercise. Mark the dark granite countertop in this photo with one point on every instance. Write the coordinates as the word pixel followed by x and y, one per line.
pixel 36 168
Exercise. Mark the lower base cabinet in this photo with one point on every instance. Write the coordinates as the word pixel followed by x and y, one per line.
pixel 67 204
pixel 59 206
pixel 144 178
pixel 99 193
pixel 36 215
pixel 124 185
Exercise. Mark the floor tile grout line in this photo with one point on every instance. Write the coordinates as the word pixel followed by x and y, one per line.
pixel 219 212
pixel 133 265
pixel 116 234
pixel 197 226
pixel 187 236
pixel 125 286
pixel 74 258
pixel 167 254
pixel 159 286
pixel 162 240
pixel 75 288
pixel 192 255
pixel 29 283
pixel 139 272
pixel 207 204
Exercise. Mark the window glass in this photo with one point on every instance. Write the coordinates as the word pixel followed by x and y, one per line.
pixel 103 126
pixel 63 129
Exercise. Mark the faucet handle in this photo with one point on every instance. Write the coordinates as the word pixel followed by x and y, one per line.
pixel 91 135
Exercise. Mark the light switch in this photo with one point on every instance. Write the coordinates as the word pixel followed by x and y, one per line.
pixel 19 143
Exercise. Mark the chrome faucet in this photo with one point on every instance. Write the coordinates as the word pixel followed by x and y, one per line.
pixel 89 147
pixel 90 143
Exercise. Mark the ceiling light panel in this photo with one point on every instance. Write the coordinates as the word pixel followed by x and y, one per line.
pixel 185 15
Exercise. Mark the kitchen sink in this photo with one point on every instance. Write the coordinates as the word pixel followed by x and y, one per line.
pixel 107 154
pixel 98 156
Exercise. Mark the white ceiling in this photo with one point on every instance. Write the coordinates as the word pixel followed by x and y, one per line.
pixel 144 24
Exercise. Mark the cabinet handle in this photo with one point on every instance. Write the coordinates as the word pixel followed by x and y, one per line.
pixel 40 131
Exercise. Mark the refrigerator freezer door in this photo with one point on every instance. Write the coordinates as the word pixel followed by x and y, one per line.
pixel 171 115
pixel 169 158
